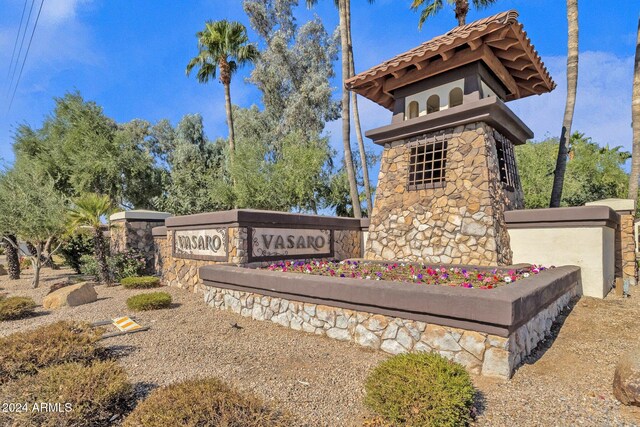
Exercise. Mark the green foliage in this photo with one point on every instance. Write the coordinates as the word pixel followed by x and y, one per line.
pixel 419 390
pixel 144 282
pixel 593 172
pixel 13 308
pixel 74 248
pixel 217 405
pixel 93 393
pixel 86 151
pixel 150 301
pixel 432 7
pixel 88 210
pixel 24 353
pixel 122 264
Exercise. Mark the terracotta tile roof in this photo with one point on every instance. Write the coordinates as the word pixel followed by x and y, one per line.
pixel 507 34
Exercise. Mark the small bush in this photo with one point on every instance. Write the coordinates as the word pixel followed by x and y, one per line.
pixel 127 264
pixel 24 353
pixel 144 282
pixel 152 301
pixel 89 265
pixel 13 308
pixel 419 390
pixel 77 246
pixel 86 395
pixel 206 403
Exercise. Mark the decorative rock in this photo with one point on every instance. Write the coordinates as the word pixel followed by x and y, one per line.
pixel 496 363
pixel 339 334
pixel 376 322
pixel 3 271
pixel 440 339
pixel 473 342
pixel 626 379
pixel 74 295
pixel 392 346
pixel 404 339
pixel 366 338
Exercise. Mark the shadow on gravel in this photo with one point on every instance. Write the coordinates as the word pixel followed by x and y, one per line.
pixel 117 351
pixel 546 344
pixel 479 404
pixel 142 389
pixel 175 305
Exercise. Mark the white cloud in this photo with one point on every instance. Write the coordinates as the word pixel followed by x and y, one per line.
pixel 57 11
pixel 603 102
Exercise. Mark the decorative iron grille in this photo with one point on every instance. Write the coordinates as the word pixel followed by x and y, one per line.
pixel 427 162
pixel 506 161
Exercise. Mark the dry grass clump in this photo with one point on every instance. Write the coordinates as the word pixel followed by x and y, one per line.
pixel 143 282
pixel 73 394
pixel 151 301
pixel 420 390
pixel 204 403
pixel 13 308
pixel 24 353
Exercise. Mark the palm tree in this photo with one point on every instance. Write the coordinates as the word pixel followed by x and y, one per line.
pixel 223 45
pixel 88 211
pixel 635 117
pixel 348 70
pixel 572 86
pixel 13 259
pixel 460 7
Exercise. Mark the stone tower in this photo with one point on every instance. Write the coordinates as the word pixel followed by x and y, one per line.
pixel 448 170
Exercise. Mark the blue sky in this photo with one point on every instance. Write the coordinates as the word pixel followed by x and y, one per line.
pixel 129 57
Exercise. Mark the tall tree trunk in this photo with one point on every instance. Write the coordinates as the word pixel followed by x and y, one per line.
pixel 101 255
pixel 13 259
pixel 356 122
pixel 343 6
pixel 462 8
pixel 227 102
pixel 572 86
pixel 635 120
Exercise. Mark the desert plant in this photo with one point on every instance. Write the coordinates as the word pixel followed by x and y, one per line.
pixel 85 395
pixel 13 308
pixel 144 282
pixel 75 246
pixel 207 403
pixel 420 389
pixel 126 264
pixel 24 353
pixel 151 301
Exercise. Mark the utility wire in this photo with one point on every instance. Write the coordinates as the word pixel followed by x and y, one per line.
pixel 15 43
pixel 25 56
pixel 26 27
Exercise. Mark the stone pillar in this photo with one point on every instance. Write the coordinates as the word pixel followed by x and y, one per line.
pixel 460 222
pixel 626 266
pixel 132 230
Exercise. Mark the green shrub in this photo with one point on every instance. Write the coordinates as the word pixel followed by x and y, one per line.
pixel 126 264
pixel 144 282
pixel 152 301
pixel 206 403
pixel 73 249
pixel 24 353
pixel 88 395
pixel 89 265
pixel 16 308
pixel 419 390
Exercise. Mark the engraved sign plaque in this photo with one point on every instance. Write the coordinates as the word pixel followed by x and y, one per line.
pixel 285 243
pixel 210 244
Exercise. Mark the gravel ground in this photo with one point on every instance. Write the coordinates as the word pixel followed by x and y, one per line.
pixel 321 380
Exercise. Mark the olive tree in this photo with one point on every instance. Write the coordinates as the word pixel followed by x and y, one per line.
pixel 33 210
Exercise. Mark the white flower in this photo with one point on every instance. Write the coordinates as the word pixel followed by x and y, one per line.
pixel 526 275
pixel 507 279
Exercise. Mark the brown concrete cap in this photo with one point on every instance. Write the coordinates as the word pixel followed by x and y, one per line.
pixel 579 216
pixel 159 231
pixel 260 218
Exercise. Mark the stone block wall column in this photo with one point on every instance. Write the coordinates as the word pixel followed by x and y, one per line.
pixel 461 221
pixel 132 230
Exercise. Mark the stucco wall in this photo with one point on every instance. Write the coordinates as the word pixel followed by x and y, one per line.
pixel 590 248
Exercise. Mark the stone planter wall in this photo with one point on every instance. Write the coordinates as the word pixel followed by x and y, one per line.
pixel 489 332
pixel 480 353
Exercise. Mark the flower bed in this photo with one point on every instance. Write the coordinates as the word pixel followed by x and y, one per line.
pixel 470 277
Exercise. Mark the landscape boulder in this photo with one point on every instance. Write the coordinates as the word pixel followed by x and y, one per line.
pixel 626 380
pixel 3 271
pixel 78 294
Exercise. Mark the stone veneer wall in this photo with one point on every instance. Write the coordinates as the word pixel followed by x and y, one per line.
pixel 480 353
pixel 462 222
pixel 183 273
pixel 134 235
pixel 627 248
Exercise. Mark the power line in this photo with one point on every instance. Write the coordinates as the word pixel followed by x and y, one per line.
pixel 15 43
pixel 26 27
pixel 25 56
